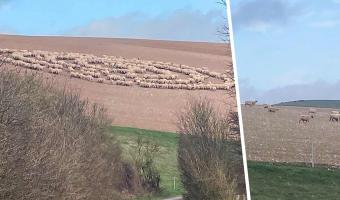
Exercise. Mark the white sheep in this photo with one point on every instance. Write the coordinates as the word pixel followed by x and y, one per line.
pixel 96 75
pixel 100 80
pixel 250 103
pixel 334 117
pixel 273 109
pixel 54 71
pixel 305 118
pixel 312 111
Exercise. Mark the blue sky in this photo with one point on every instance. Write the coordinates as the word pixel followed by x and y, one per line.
pixel 287 50
pixel 114 18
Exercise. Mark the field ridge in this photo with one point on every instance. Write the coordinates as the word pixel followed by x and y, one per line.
pixel 312 103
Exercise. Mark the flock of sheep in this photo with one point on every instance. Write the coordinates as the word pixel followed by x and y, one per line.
pixel 120 71
pixel 334 116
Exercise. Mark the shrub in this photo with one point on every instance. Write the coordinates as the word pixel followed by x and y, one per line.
pixel 210 163
pixel 52 143
pixel 143 158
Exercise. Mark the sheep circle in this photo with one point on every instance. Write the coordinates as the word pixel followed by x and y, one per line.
pixel 121 71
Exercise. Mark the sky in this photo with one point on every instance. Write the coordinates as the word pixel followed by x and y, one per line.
pixel 147 19
pixel 287 50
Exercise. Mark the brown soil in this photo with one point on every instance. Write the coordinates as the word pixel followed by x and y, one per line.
pixel 134 106
pixel 278 137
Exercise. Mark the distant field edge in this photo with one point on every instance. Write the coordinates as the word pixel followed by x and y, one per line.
pixel 134 129
pixel 312 103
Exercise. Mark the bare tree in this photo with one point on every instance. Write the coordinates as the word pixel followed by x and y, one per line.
pixel 53 144
pixel 210 161
pixel 223 31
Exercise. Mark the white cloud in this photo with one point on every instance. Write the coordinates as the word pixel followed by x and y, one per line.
pixel 262 15
pixel 188 25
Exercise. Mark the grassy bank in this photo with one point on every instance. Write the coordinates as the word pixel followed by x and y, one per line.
pixel 290 182
pixel 166 159
pixel 267 181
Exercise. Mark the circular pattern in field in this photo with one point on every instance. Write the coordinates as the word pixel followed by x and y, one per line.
pixel 121 71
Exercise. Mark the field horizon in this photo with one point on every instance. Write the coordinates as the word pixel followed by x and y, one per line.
pixel 312 103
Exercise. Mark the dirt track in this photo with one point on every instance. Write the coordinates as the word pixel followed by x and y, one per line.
pixel 133 106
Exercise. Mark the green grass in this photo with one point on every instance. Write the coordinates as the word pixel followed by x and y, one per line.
pixel 312 103
pixel 166 159
pixel 290 182
pixel 267 181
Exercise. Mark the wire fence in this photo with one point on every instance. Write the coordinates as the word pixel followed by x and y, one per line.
pixel 298 150
pixel 281 137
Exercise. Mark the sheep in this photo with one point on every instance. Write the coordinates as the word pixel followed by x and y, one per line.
pixel 106 72
pixel 145 84
pixel 88 77
pixel 139 71
pixel 312 111
pixel 334 117
pixel 115 77
pixel 90 73
pixel 124 83
pixel 122 71
pixel 36 67
pixel 222 86
pixel 18 63
pixel 91 69
pixel 54 71
pixel 250 103
pixel 70 69
pixel 100 80
pixel 75 75
pixel 89 65
pixel 96 75
pixel 131 75
pixel 181 81
pixel 272 109
pixel 305 118
pixel 212 88
pixel 16 56
pixel 266 106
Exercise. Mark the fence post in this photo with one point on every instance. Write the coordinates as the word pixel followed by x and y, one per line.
pixel 174 183
pixel 312 154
